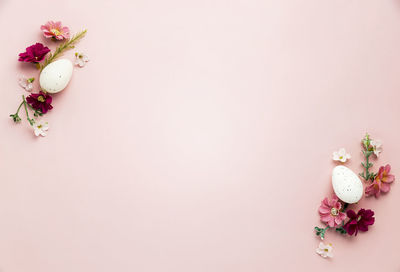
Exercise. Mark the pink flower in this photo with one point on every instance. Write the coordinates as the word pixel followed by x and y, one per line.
pixel 55 30
pixel 34 53
pixel 330 213
pixel 359 221
pixel 381 182
pixel 40 101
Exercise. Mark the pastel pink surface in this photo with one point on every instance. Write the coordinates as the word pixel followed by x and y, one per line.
pixel 199 136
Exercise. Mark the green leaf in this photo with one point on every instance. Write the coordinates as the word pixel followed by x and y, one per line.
pixel 341 230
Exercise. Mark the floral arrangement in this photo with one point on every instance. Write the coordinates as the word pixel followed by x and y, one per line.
pixel 336 213
pixel 40 55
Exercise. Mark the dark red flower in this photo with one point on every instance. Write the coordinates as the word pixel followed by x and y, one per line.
pixel 359 221
pixel 40 101
pixel 34 53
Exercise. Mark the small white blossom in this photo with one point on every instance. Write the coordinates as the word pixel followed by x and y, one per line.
pixel 324 250
pixel 40 128
pixel 26 83
pixel 377 147
pixel 341 155
pixel 81 59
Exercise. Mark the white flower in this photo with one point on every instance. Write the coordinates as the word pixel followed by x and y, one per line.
pixel 376 145
pixel 341 155
pixel 325 250
pixel 40 128
pixel 26 83
pixel 81 59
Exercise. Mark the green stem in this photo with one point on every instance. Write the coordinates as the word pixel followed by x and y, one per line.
pixel 20 105
pixel 36 112
pixel 367 174
pixel 31 121
pixel 63 47
pixel 367 152
pixel 367 165
pixel 321 232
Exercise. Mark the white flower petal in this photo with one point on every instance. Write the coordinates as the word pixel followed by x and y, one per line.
pixel 340 155
pixel 81 59
pixel 324 250
pixel 335 156
pixel 376 143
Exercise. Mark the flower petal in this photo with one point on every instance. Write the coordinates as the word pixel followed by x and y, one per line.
pixel 385 187
pixel 351 214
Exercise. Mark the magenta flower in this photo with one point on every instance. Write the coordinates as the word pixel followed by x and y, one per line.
pixel 34 53
pixel 40 101
pixel 330 213
pixel 55 30
pixel 359 221
pixel 381 182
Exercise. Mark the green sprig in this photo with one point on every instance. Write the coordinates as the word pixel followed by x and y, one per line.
pixel 31 121
pixel 341 230
pixel 69 44
pixel 321 232
pixel 367 152
pixel 16 117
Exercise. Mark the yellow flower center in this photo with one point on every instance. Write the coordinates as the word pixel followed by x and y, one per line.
pixel 41 98
pixel 334 211
pixel 341 157
pixel 55 31
pixel 326 250
pixel 39 126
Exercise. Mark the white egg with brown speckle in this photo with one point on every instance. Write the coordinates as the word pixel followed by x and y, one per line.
pixel 56 76
pixel 346 184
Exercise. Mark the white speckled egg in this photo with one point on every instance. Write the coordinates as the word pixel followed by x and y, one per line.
pixel 56 76
pixel 346 184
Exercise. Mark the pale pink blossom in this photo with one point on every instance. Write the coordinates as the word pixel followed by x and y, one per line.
pixel 324 250
pixel 341 155
pixel 26 83
pixel 40 128
pixel 376 147
pixel 81 59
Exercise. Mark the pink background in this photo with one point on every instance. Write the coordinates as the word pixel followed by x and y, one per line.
pixel 199 136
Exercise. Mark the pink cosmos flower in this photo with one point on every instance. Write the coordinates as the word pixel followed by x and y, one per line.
pixel 381 182
pixel 330 213
pixel 55 30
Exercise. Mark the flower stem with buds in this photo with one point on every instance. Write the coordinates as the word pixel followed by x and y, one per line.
pixel 366 174
pixel 31 121
pixel 69 44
